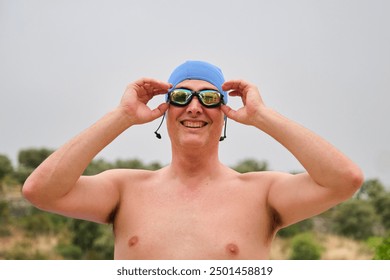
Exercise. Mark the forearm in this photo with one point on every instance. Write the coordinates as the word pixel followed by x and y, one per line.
pixel 326 165
pixel 60 171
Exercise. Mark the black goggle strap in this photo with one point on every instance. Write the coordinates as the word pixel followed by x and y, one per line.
pixel 224 130
pixel 158 135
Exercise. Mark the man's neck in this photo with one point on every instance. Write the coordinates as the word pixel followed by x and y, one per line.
pixel 195 164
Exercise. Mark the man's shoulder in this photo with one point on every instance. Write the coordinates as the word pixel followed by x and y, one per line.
pixel 257 175
pixel 126 174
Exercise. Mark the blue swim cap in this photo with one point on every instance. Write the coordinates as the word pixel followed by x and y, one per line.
pixel 199 70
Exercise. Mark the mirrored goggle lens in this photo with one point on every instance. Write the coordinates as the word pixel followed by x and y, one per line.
pixel 210 97
pixel 180 96
pixel 184 96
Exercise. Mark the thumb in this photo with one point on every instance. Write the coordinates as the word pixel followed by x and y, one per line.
pixel 159 111
pixel 229 112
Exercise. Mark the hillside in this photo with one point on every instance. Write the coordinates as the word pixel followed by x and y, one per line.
pixel 29 235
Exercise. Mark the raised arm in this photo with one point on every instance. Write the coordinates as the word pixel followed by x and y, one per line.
pixel 331 177
pixel 57 185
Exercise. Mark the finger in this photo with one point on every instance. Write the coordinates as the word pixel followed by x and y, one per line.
pixel 235 93
pixel 159 111
pixel 229 112
pixel 235 85
pixel 147 88
pixel 152 85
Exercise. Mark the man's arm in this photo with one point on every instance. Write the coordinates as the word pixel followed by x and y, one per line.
pixel 331 177
pixel 57 185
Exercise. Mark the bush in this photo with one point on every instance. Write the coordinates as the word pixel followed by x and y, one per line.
pixel 356 219
pixel 4 213
pixel 69 251
pixel 305 247
pixel 40 222
pixel 23 251
pixel 290 231
pixel 382 251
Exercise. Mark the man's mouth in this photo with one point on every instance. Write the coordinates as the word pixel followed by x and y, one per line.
pixel 194 124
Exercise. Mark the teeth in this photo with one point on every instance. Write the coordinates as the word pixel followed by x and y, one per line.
pixel 194 124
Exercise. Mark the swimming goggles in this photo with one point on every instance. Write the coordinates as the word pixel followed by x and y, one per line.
pixel 209 98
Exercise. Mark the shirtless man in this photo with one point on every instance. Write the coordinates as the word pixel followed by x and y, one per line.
pixel 196 207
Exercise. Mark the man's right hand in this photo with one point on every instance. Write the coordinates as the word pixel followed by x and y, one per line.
pixel 137 95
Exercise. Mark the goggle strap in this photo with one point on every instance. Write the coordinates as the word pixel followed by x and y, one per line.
pixel 158 135
pixel 224 131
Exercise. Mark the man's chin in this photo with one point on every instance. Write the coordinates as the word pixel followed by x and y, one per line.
pixel 193 140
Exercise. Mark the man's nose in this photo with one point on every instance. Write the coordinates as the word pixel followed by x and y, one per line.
pixel 195 107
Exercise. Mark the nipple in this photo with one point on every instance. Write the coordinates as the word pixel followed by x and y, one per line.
pixel 133 241
pixel 232 249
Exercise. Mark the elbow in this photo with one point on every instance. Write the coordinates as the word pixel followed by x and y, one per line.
pixel 31 192
pixel 353 180
pixel 356 178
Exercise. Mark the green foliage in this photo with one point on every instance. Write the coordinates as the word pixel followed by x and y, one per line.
pixel 305 247
pixel 42 223
pixel 136 164
pixel 4 212
pixel 22 173
pixel 250 165
pixel 88 241
pixel 382 251
pixel 131 164
pixel 28 160
pixel 154 166
pixel 303 226
pixel 371 190
pixel 382 207
pixel 356 219
pixel 33 157
pixel 23 251
pixel 84 234
pixel 100 165
pixel 374 192
pixel 69 251
pixel 104 245
pixel 4 219
pixel 97 166
pixel 5 167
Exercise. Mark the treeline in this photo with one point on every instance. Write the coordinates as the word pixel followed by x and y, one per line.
pixel 365 217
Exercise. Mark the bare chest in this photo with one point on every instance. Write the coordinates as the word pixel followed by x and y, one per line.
pixel 168 224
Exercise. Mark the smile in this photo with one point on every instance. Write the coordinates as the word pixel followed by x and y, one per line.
pixel 194 124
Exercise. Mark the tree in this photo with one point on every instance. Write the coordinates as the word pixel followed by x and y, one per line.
pixel 97 166
pixel 4 218
pixel 292 230
pixel 355 218
pixel 374 192
pixel 32 158
pixel 129 164
pixel 382 207
pixel 28 160
pixel 85 233
pixel 5 169
pixel 305 247
pixel 371 190
pixel 382 252
pixel 250 165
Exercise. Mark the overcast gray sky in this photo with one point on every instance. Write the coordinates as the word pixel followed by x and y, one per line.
pixel 324 64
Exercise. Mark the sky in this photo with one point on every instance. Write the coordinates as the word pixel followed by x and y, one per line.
pixel 324 64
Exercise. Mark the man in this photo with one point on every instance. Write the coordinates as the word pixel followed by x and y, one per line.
pixel 196 207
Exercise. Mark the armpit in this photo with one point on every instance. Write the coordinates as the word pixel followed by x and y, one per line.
pixel 111 217
pixel 274 220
